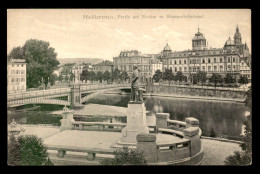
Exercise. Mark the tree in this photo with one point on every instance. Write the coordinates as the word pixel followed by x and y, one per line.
pixel 60 78
pixel 115 74
pixel 215 78
pixel 72 77
pixel 157 76
pixel 228 78
pixel 168 75
pixel 125 156
pixel 244 157
pixel 124 76
pixel 84 75
pixel 107 76
pixel 202 76
pixel 41 61
pixel 27 150
pixel 179 76
pixel 243 80
pixel 14 153
pixel 92 76
pixel 53 78
pixel 40 58
pixel 16 53
pixel 66 78
pixel 99 76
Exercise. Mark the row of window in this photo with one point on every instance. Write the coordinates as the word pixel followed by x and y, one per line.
pixel 18 72
pixel 18 65
pixel 18 80
pixel 197 61
pixel 203 68
pixel 18 88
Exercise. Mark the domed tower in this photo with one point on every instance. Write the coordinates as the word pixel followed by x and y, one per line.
pixel 237 37
pixel 199 42
pixel 230 45
pixel 166 50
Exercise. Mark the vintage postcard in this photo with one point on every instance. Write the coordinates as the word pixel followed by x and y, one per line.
pixel 129 87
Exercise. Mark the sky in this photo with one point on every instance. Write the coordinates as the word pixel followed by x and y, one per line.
pixel 103 33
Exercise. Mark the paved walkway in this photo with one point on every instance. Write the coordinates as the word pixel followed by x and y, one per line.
pixel 215 152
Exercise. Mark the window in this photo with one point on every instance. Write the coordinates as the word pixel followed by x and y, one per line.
pixel 12 72
pixel 215 68
pixel 12 79
pixel 215 60
pixel 17 72
pixel 22 71
pixel 175 62
pixel 208 60
pixel 180 69
pixel 18 65
pixel 203 68
pixel 184 61
pixel 209 68
pixel 229 66
pixel 22 65
pixel 175 69
pixel 185 69
pixel 203 60
pixel 228 59
pixel 12 65
pixel 179 61
pixel 234 59
pixel 171 62
pixel 221 68
pixel 234 66
pixel 220 60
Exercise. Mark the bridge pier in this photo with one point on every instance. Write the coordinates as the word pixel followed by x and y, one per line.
pixel 75 97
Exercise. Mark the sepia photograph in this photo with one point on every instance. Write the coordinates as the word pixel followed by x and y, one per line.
pixel 135 87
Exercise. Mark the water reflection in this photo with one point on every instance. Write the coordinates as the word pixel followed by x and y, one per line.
pixel 223 117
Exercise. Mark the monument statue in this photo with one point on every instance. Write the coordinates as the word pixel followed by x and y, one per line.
pixel 135 85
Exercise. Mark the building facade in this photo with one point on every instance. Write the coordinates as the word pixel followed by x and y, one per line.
pixel 16 75
pixel 77 70
pixel 245 70
pixel 128 59
pixel 200 58
pixel 103 66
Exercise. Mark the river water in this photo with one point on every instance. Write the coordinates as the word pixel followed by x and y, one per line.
pixel 225 118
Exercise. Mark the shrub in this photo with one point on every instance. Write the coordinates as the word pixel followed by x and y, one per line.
pixel 212 133
pixel 125 156
pixel 27 150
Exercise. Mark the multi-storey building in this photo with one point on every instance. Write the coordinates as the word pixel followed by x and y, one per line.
pixel 245 69
pixel 16 75
pixel 156 64
pixel 200 58
pixel 128 59
pixel 77 70
pixel 103 66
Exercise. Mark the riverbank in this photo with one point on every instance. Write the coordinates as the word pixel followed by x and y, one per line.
pixel 188 97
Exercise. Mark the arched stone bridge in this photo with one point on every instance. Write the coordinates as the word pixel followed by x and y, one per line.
pixel 74 96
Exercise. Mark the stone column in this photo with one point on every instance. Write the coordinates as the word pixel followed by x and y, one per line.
pixel 147 143
pixel 161 120
pixel 136 122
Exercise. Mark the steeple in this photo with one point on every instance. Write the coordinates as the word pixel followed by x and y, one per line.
pixel 237 37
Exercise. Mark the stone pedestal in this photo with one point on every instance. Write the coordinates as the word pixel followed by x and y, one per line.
pixel 75 97
pixel 136 122
pixel 67 121
pixel 147 143
pixel 161 120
